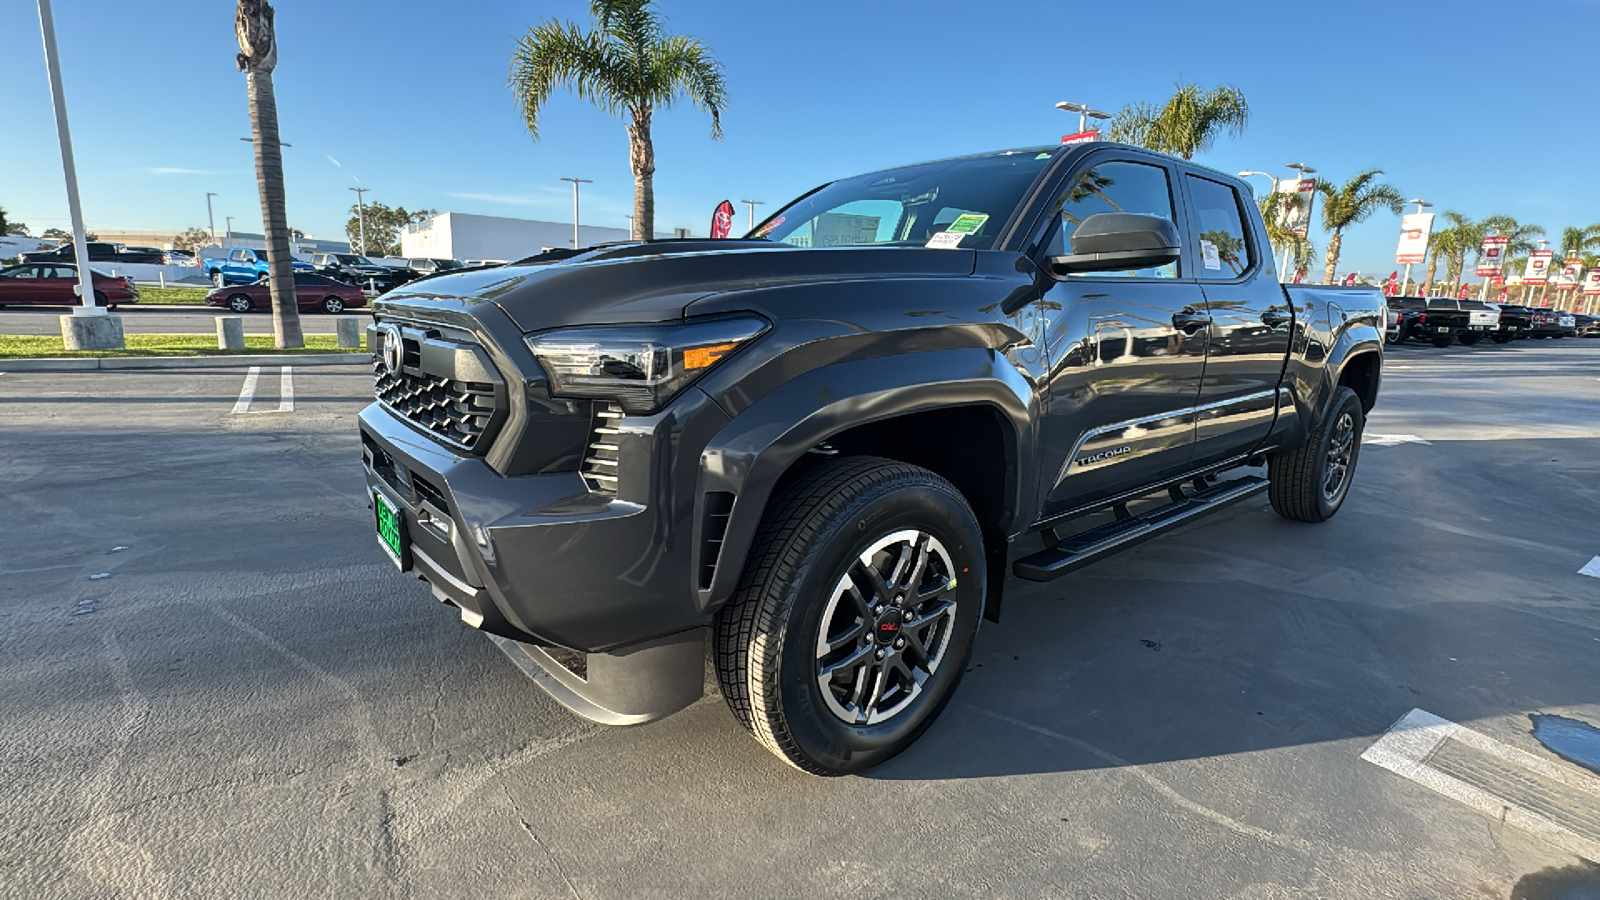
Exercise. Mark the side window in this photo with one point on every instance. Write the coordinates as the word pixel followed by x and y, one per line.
pixel 1223 249
pixel 24 272
pixel 237 256
pixel 1128 187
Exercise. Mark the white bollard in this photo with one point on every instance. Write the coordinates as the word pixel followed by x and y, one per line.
pixel 348 329
pixel 163 277
pixel 230 333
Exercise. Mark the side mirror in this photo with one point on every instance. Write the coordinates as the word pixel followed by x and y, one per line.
pixel 1108 241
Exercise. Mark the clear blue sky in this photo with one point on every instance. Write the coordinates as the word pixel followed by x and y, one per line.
pixel 409 98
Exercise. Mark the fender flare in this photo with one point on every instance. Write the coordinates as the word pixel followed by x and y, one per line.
pixel 749 455
pixel 1355 341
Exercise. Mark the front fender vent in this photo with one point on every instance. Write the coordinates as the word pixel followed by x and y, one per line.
pixel 600 459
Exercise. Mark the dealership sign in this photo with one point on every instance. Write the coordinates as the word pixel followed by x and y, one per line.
pixel 1082 137
pixel 1591 283
pixel 1492 255
pixel 1538 271
pixel 1571 275
pixel 1414 231
pixel 1295 212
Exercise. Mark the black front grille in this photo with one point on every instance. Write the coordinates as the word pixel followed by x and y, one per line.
pixel 458 411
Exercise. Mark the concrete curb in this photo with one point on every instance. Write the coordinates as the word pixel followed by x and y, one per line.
pixel 91 364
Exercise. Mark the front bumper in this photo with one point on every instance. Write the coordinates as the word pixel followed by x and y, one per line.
pixel 591 594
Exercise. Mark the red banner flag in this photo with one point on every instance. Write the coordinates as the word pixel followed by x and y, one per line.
pixel 722 220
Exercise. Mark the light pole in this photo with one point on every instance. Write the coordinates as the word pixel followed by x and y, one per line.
pixel 1406 282
pixel 227 223
pixel 1084 114
pixel 211 220
pixel 361 216
pixel 753 204
pixel 575 183
pixel 69 169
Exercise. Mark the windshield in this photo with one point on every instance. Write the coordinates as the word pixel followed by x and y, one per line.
pixel 351 259
pixel 446 264
pixel 957 203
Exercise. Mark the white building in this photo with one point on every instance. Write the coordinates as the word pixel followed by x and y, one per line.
pixel 464 236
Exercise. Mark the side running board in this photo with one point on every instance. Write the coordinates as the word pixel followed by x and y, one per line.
pixel 1078 550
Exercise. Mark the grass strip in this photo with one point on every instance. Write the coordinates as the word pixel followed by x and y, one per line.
pixel 36 346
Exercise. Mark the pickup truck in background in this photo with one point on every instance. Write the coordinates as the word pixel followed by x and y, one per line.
pixel 1552 323
pixel 1516 323
pixel 242 266
pixel 1439 320
pixel 820 450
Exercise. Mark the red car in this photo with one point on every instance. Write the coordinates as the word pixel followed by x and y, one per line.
pixel 51 284
pixel 312 292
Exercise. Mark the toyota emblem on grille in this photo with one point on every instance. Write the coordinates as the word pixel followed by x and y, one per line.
pixel 393 349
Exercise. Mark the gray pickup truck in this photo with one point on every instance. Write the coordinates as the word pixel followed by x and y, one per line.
pixel 818 452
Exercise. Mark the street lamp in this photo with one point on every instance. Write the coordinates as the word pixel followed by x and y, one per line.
pixel 1304 170
pixel 1084 114
pixel 753 204
pixel 227 223
pixel 361 216
pixel 210 219
pixel 575 183
pixel 1406 283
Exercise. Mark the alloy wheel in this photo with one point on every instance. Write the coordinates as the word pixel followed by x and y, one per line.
pixel 886 628
pixel 1340 448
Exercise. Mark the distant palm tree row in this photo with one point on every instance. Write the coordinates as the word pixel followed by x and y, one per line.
pixel 1194 117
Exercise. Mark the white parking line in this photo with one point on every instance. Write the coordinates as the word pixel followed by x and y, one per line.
pixel 1592 569
pixel 286 390
pixel 1409 745
pixel 248 392
pixel 1390 440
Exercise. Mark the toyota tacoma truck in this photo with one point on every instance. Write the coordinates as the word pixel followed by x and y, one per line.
pixel 818 452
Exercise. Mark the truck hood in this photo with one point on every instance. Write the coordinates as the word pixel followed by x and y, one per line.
pixel 659 281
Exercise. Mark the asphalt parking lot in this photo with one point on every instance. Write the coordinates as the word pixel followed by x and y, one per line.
pixel 168 320
pixel 217 685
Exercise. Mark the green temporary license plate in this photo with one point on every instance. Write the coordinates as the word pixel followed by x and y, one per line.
pixel 391 528
pixel 1443 328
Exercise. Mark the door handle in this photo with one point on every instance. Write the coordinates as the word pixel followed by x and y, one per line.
pixel 1190 322
pixel 1273 318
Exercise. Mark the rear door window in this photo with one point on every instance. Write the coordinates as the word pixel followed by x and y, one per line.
pixel 1219 242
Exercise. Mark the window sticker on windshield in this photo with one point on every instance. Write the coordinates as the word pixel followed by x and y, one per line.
pixel 945 240
pixel 966 223
pixel 1045 155
pixel 1209 255
pixel 764 230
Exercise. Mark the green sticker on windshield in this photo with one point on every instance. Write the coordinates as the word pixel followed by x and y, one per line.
pixel 1045 155
pixel 967 223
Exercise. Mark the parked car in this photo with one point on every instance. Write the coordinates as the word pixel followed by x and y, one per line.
pixel 52 284
pixel 473 263
pixel 353 268
pixel 1552 323
pixel 1515 323
pixel 815 449
pixel 99 251
pixel 242 266
pixel 181 258
pixel 430 266
pixel 1586 325
pixel 311 292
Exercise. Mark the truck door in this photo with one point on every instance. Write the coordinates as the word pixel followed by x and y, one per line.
pixel 1250 322
pixel 1124 350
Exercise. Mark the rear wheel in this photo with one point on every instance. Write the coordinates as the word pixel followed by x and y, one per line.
pixel 1309 484
pixel 1500 338
pixel 1471 337
pixel 1443 340
pixel 855 616
pixel 1394 337
pixel 332 305
pixel 241 303
pixel 100 299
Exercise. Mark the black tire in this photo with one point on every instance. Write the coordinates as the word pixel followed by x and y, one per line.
pixel 1300 478
pixel 332 305
pixel 794 592
pixel 100 299
pixel 241 303
pixel 1443 340
pixel 1394 337
pixel 1471 337
pixel 1499 338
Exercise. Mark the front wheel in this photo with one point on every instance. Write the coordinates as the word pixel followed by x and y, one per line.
pixel 1309 484
pixel 855 616
pixel 332 305
pixel 240 303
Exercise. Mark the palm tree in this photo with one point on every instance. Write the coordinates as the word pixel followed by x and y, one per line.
pixel 258 55
pixel 1447 243
pixel 1186 124
pixel 627 64
pixel 1344 206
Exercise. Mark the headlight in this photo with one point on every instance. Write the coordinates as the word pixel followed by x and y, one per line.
pixel 641 367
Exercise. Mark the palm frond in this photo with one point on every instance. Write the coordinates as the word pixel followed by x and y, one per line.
pixel 681 65
pixel 560 54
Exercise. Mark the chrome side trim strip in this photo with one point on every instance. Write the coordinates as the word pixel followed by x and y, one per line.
pixel 1190 412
